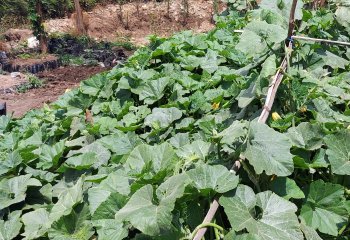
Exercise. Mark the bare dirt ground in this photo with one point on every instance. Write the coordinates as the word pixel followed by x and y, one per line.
pixel 56 83
pixel 109 23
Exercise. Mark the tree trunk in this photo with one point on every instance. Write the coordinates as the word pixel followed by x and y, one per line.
pixel 79 18
pixel 168 9
pixel 42 37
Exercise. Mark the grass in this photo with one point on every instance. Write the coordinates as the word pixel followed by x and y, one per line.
pixel 33 82
pixel 71 60
pixel 125 43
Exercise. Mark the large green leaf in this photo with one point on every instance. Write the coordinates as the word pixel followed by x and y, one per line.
pixel 108 229
pixel 83 161
pixel 116 182
pixel 338 152
pixel 151 160
pixel 93 85
pixel 218 178
pixel 276 221
pixel 141 211
pixel 282 8
pixel 11 161
pixel 257 35
pixel 36 223
pixel 50 155
pixel 306 135
pixel 324 208
pixel 14 190
pixel 172 189
pixel 162 117
pixel 73 226
pixel 67 199
pixel 120 144
pixel 309 232
pixel 102 154
pixel 269 151
pixel 286 188
pixel 197 150
pixel 11 228
pixel 153 90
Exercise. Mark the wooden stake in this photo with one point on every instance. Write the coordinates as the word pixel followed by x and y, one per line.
pixel 263 117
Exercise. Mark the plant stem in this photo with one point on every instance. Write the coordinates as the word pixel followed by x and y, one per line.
pixel 202 226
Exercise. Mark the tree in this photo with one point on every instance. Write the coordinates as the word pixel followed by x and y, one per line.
pixel 36 18
pixel 79 19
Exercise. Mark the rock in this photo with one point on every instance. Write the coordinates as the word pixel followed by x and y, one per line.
pixel 32 42
pixel 3 57
pixel 16 75
pixel 3 108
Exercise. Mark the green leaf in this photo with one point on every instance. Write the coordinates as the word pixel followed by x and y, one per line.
pixel 269 151
pixel 50 155
pixel 73 226
pixel 67 199
pixel 11 228
pixel 116 182
pixel 309 232
pixel 324 208
pixel 82 161
pixel 36 223
pixel 286 188
pixel 306 135
pixel 257 35
pixel 13 190
pixel 108 229
pixel 93 85
pixel 282 8
pixel 338 152
pixel 276 221
pixel 217 178
pixel 233 133
pixel 197 150
pixel 342 15
pixel 143 214
pixel 153 90
pixel 162 117
pixel 172 189
pixel 120 144
pixel 102 154
pixel 151 160
pixel 12 160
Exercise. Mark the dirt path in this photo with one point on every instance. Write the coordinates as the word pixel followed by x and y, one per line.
pixel 57 81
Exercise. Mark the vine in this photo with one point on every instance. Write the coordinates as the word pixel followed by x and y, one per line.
pixel 36 19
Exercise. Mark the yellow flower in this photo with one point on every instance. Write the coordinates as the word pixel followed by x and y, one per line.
pixel 276 116
pixel 303 109
pixel 68 90
pixel 215 106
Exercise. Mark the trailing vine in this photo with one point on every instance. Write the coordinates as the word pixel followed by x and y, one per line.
pixel 36 18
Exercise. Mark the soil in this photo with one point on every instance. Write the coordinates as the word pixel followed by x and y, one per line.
pixel 132 22
pixel 57 81
pixel 9 83
pixel 110 24
pixel 32 61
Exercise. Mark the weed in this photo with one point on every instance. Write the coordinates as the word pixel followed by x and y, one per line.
pixel 68 59
pixel 125 43
pixel 33 82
